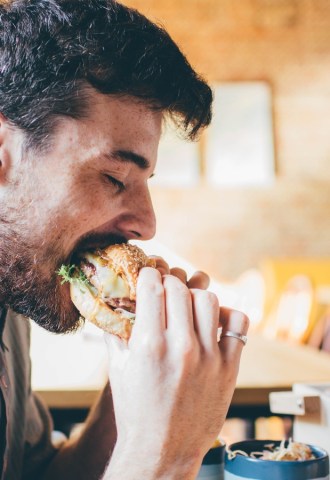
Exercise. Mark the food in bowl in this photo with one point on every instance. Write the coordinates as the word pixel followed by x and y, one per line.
pixel 285 451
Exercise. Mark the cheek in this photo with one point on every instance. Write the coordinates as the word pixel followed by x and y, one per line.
pixel 71 198
pixel 87 204
pixel 71 206
pixel 86 207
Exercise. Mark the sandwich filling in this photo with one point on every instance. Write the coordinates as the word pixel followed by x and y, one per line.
pixel 111 287
pixel 103 286
pixel 95 274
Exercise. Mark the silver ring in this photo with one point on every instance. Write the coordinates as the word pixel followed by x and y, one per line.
pixel 239 336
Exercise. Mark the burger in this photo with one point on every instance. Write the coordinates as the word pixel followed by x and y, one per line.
pixel 103 286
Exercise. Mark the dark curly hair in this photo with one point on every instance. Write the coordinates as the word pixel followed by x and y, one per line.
pixel 53 51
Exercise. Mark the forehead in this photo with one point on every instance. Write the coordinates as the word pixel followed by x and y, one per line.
pixel 124 115
pixel 112 123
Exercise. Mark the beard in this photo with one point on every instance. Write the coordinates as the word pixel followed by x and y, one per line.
pixel 27 289
pixel 29 283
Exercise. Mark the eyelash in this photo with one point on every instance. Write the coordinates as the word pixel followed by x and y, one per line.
pixel 117 183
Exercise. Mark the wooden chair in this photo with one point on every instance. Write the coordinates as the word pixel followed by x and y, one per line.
pixel 294 285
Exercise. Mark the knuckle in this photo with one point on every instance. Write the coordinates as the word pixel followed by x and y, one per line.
pixel 147 276
pixel 244 320
pixel 172 282
pixel 186 347
pixel 207 297
pixel 212 298
pixel 149 290
pixel 157 290
pixel 239 320
pixel 152 347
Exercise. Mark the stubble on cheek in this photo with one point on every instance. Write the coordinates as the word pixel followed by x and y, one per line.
pixel 30 285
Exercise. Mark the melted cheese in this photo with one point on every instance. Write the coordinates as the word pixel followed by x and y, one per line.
pixel 108 283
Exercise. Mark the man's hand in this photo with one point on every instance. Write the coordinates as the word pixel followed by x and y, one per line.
pixel 173 382
pixel 199 279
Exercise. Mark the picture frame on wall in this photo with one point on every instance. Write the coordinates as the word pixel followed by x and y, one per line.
pixel 239 142
pixel 178 162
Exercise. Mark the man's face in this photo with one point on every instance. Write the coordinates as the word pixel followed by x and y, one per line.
pixel 89 189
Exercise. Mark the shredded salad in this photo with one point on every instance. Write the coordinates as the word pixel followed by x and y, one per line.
pixel 293 451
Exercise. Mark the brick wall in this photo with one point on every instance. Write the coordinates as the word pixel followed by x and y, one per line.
pixel 286 42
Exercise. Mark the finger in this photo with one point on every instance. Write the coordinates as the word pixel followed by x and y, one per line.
pixel 180 274
pixel 179 314
pixel 199 280
pixel 150 304
pixel 231 319
pixel 161 265
pixel 206 318
pixel 234 321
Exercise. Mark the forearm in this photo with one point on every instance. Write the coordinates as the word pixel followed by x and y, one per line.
pixel 130 461
pixel 86 457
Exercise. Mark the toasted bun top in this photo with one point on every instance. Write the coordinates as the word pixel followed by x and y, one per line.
pixel 126 260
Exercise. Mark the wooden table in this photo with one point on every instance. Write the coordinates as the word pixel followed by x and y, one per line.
pixel 271 365
pixel 68 371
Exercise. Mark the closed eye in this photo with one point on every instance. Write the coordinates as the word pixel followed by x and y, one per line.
pixel 117 183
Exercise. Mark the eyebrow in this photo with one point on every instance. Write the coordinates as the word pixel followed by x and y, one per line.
pixel 128 156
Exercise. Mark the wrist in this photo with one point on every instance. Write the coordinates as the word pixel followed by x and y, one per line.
pixel 133 463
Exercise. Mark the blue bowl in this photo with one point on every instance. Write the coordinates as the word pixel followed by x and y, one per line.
pixel 241 467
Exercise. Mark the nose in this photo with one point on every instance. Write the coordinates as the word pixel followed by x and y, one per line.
pixel 139 220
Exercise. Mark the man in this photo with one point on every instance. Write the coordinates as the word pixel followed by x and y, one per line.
pixel 85 87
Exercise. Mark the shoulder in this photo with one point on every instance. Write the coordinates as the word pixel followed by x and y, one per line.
pixel 16 330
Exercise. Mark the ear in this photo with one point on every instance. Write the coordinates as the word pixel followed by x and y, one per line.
pixel 5 158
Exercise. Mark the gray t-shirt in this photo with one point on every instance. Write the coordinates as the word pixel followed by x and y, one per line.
pixel 25 423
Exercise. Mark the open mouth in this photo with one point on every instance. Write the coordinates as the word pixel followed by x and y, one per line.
pixel 92 244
